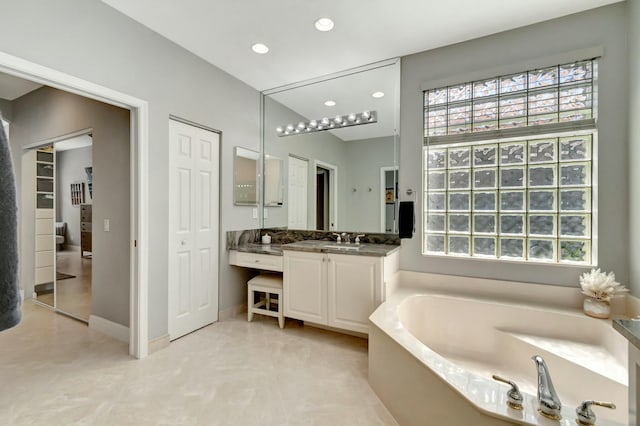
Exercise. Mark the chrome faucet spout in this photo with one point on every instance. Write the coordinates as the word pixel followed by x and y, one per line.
pixel 549 403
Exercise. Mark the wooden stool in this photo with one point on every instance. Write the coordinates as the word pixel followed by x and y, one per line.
pixel 269 284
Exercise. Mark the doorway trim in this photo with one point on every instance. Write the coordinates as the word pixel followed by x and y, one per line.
pixel 333 194
pixel 139 181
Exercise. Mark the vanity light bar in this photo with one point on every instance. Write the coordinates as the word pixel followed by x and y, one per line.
pixel 337 122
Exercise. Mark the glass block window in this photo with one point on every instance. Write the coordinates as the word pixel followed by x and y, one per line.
pixel 508 166
pixel 558 94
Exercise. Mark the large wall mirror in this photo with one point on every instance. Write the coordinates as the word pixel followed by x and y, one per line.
pixel 331 150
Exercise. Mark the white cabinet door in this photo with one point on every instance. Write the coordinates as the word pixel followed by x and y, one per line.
pixel 354 290
pixel 304 286
pixel 193 220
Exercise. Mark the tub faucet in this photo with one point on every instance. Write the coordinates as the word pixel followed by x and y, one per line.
pixel 549 404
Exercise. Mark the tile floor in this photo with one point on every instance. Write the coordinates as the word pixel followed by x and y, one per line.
pixel 55 371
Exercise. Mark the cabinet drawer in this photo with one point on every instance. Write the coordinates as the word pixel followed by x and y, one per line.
pixel 85 226
pixel 255 260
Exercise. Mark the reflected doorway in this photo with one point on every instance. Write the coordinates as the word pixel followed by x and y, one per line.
pixel 63 201
pixel 389 197
pixel 326 190
pixel 73 226
pixel 322 199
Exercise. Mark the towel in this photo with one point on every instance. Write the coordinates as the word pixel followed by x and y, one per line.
pixel 406 219
pixel 10 312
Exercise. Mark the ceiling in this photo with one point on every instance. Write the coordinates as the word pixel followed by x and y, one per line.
pixel 76 142
pixel 222 31
pixel 13 87
pixel 352 94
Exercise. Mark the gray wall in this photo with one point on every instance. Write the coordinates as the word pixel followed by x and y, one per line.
pixel 6 109
pixel 634 143
pixel 517 50
pixel 47 113
pixel 365 158
pixel 70 166
pixel 88 39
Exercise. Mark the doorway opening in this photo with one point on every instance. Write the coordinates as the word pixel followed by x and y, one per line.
pixel 326 211
pixel 63 214
pixel 137 332
pixel 322 199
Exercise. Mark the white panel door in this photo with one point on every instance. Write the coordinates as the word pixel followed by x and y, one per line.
pixel 297 194
pixel 354 290
pixel 193 222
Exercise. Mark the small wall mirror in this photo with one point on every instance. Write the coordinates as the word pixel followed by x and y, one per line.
pixel 273 181
pixel 245 188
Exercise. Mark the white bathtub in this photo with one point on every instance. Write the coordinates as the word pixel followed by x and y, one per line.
pixel 432 354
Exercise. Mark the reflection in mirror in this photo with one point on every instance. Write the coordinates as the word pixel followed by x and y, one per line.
pixel 245 167
pixel 338 139
pixel 273 189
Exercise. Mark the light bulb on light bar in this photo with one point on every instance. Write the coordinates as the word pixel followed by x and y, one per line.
pixel 316 125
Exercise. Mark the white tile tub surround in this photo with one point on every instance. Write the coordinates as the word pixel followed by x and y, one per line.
pixel 438 339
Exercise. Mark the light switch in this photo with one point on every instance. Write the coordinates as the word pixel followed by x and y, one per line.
pixel 266 213
pixel 255 213
pixel 107 225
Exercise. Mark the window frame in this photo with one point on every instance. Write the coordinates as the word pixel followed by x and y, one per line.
pixel 497 137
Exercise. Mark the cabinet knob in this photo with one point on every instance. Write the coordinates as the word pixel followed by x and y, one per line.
pixel 183 243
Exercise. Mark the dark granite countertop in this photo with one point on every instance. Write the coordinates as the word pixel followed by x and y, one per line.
pixel 367 249
pixel 272 249
pixel 629 329
pixel 316 246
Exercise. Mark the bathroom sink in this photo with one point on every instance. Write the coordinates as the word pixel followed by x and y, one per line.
pixel 345 247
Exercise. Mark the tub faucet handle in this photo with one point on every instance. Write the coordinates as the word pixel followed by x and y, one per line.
pixel 514 397
pixel 586 416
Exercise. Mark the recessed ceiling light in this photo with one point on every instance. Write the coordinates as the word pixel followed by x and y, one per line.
pixel 324 24
pixel 260 48
pixel 330 103
pixel 378 94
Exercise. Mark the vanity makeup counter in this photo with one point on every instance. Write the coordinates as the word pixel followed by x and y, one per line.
pixel 325 283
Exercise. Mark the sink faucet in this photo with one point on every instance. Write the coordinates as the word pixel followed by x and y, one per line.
pixel 346 237
pixel 549 404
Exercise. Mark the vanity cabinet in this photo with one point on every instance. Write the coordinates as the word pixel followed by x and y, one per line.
pixel 337 290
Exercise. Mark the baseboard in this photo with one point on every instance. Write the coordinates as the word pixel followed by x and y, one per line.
pixel 158 343
pixel 231 312
pixel 110 328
